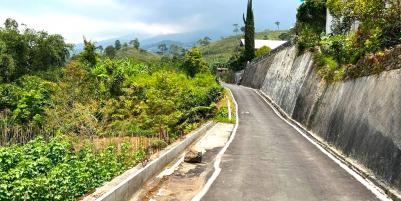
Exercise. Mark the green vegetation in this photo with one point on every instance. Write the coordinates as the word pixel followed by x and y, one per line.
pixel 311 23
pixel 249 21
pixel 129 51
pixel 135 43
pixel 28 51
pixel 139 55
pixel 222 109
pixel 194 63
pixel 54 170
pixel 220 51
pixel 262 51
pixel 204 41
pixel 344 54
pixel 53 118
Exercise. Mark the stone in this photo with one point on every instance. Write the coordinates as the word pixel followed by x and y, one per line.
pixel 193 156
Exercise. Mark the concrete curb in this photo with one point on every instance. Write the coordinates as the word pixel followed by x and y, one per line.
pixel 133 183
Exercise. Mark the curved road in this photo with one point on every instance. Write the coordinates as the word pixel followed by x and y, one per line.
pixel 269 160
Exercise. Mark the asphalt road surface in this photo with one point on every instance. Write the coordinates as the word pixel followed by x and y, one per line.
pixel 270 160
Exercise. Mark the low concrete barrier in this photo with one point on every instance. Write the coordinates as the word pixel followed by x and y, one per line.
pixel 133 183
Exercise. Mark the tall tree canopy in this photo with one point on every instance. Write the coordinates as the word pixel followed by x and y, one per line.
pixel 117 45
pixel 110 51
pixel 89 54
pixel 135 43
pixel 312 15
pixel 249 53
pixel 26 51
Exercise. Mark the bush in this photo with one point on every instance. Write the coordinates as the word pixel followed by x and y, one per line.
pixel 51 170
pixel 27 98
pixel 193 63
pixel 307 39
pixel 132 99
pixel 262 51
pixel 328 68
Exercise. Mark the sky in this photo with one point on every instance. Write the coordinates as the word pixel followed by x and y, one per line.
pixel 104 19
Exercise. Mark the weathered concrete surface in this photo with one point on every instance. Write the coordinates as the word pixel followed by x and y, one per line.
pixel 123 187
pixel 269 160
pixel 186 180
pixel 361 117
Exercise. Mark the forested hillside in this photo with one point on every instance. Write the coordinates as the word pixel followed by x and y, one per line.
pixel 67 125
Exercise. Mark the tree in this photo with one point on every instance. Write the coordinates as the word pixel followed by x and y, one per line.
pixel 176 50
pixel 311 23
pixel 163 48
pixel 117 45
pixel 312 14
pixel 125 46
pixel 7 66
pixel 100 49
pixel 194 63
pixel 11 24
pixel 89 54
pixel 135 43
pixel 204 41
pixel 277 23
pixel 249 53
pixel 27 51
pixel 110 51
pixel 236 29
pixel 377 18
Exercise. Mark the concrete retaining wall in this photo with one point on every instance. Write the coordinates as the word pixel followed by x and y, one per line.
pixel 361 117
pixel 134 182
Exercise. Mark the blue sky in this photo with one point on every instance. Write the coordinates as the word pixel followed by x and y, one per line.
pixel 104 19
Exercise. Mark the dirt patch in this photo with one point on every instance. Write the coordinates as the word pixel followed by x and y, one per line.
pixel 188 179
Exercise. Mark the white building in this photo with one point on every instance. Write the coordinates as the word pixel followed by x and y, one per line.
pixel 273 44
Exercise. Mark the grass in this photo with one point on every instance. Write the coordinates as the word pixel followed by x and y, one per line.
pixel 138 55
pixel 222 114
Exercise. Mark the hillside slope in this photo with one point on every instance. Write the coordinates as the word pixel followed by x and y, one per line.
pixel 138 55
pixel 221 50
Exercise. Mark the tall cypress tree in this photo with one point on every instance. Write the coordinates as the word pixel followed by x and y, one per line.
pixel 249 53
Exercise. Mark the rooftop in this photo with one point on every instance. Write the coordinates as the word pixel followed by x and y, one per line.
pixel 273 44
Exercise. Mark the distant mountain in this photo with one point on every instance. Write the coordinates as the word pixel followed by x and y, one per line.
pixel 186 40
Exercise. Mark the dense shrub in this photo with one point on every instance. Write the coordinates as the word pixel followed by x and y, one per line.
pixel 129 98
pixel 52 170
pixel 378 27
pixel 27 98
pixel 311 23
pixel 375 63
pixel 193 62
pixel 262 51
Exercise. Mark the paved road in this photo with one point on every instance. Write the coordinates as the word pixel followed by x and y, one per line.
pixel 269 160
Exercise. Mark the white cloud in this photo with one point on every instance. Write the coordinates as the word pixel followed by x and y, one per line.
pixel 110 4
pixel 73 27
